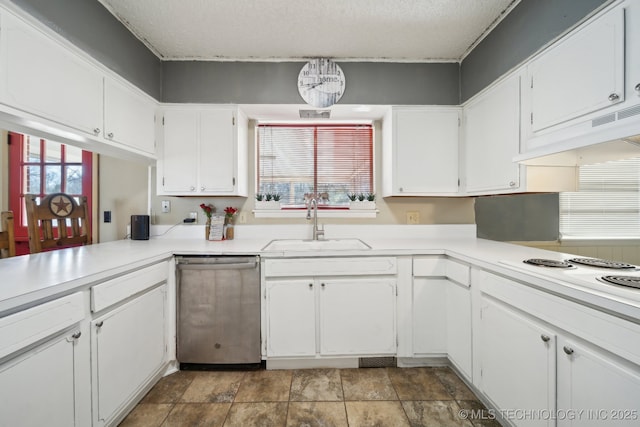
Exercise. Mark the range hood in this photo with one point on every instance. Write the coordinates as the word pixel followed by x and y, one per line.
pixel 614 136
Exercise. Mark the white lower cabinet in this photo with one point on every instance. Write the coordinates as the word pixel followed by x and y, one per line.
pixel 357 316
pixel 441 311
pixel 44 365
pixel 555 361
pixel 333 307
pixel 291 325
pixel 594 388
pixel 128 348
pixel 39 388
pixel 517 361
pixel 331 317
pixel 458 319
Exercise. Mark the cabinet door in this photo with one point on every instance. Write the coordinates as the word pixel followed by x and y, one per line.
pixel 129 349
pixel 517 359
pixel 429 316
pixel 177 171
pixel 37 389
pixel 357 317
pixel 596 388
pixel 458 327
pixel 425 143
pixel 291 318
pixel 129 118
pixel 581 74
pixel 217 151
pixel 492 139
pixel 41 77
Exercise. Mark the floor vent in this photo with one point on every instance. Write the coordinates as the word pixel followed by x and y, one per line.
pixel 377 362
pixel 603 120
pixel 629 112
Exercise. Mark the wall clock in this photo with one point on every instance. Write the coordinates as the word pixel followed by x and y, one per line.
pixel 321 82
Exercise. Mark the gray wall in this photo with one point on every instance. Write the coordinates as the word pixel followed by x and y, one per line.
pixel 275 82
pixel 529 27
pixel 88 25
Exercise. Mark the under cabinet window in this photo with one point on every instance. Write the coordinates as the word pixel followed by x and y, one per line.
pixel 607 203
pixel 329 160
pixel 42 167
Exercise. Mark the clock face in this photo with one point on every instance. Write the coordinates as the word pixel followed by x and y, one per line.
pixel 321 83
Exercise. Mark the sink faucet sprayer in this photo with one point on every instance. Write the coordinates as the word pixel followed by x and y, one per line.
pixel 318 233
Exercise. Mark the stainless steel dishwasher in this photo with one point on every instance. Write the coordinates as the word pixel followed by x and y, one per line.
pixel 218 309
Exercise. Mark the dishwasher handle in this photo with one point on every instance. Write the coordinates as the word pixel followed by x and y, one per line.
pixel 220 263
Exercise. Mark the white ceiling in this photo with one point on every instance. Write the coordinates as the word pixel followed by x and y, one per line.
pixel 263 30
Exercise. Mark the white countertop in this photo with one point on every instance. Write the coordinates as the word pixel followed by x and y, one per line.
pixel 26 280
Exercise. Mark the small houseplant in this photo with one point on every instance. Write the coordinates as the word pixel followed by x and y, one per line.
pixel 229 214
pixel 267 201
pixel 362 201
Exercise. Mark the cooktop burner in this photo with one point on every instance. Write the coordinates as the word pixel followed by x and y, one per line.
pixel 602 263
pixel 628 281
pixel 541 262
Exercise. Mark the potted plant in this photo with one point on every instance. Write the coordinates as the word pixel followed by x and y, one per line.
pixel 208 211
pixel 362 201
pixel 229 215
pixel 267 201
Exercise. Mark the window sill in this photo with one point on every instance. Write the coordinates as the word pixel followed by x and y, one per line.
pixel 322 213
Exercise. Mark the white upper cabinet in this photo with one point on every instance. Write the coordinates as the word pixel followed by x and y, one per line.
pixel 420 151
pixel 40 77
pixel 203 151
pixel 492 139
pixel 129 116
pixel 581 74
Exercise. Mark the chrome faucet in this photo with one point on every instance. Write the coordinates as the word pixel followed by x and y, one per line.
pixel 318 233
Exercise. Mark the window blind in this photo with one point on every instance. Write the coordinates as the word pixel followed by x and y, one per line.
pixel 333 160
pixel 607 203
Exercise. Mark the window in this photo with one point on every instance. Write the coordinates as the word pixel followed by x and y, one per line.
pixel 607 204
pixel 330 160
pixel 39 166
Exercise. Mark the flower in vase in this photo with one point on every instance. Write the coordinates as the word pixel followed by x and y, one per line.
pixel 207 209
pixel 229 213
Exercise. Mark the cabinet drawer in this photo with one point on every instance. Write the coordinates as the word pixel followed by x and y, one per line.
pixel 115 290
pixel 429 267
pixel 441 267
pixel 330 266
pixel 458 272
pixel 29 326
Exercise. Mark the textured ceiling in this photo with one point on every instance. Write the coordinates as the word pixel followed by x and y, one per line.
pixel 366 30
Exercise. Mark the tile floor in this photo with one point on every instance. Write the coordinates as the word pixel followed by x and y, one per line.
pixel 379 397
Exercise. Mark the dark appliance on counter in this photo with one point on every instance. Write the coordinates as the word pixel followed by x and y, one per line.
pixel 218 311
pixel 139 227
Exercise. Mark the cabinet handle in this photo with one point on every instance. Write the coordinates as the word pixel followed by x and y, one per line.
pixel 322 284
pixel 614 97
pixel 512 183
pixel 192 188
pixel 110 135
pixel 401 189
pixel 201 188
pixel 99 324
pixel 567 350
pixel 96 131
pixel 76 335
pixel 545 338
pixel 637 88
pixel 310 285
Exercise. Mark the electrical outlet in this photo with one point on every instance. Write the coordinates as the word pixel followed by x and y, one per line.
pixel 242 218
pixel 166 206
pixel 413 217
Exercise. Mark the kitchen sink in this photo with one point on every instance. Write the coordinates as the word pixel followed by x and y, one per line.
pixel 316 245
